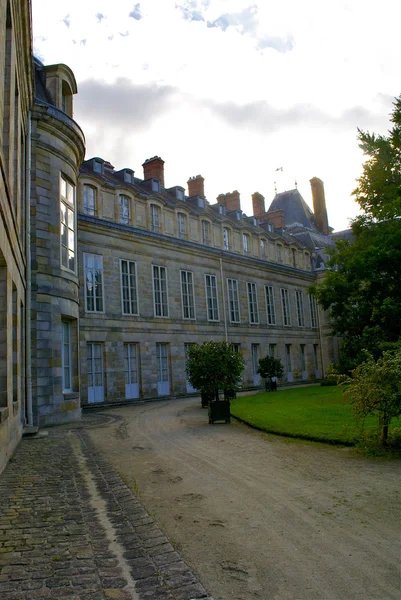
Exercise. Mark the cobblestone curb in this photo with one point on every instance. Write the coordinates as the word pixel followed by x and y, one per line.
pixel 71 528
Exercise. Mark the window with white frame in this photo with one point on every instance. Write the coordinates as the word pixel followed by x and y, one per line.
pixel 233 300
pixel 67 224
pixel 155 218
pixel 300 308
pixel 160 291
pixel 187 295
pixel 253 303
pixel 66 356
pixel 89 200
pixel 245 242
pixel 285 305
pixel 131 363
pixel 206 233
pixel 124 203
pixel 94 282
pixel 211 298
pixel 263 247
pixel 313 310
pixel 182 225
pixel 129 287
pixel 255 358
pixel 270 308
pixel 226 238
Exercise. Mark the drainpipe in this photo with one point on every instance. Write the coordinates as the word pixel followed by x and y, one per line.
pixel 224 300
pixel 28 342
pixel 321 342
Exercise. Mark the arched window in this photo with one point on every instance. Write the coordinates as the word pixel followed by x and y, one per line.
pixel 124 203
pixel 66 98
pixel 90 200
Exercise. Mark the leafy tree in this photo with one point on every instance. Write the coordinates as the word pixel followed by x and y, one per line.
pixel 362 288
pixel 214 366
pixel 270 367
pixel 375 388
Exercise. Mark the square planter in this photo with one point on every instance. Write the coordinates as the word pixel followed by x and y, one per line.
pixel 219 410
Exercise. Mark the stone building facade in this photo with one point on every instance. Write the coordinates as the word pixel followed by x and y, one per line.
pixel 107 277
pixel 160 269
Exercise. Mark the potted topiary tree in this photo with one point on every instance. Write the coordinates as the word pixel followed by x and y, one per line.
pixel 211 367
pixel 270 369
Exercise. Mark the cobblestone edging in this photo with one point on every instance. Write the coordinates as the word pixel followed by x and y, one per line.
pixel 71 528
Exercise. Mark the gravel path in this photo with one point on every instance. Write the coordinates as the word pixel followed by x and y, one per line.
pixel 256 516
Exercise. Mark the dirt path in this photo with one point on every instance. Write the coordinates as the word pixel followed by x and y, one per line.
pixel 257 516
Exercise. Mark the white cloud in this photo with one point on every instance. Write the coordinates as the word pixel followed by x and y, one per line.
pixel 269 84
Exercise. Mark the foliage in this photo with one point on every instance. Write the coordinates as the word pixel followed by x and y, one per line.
pixel 362 288
pixel 214 366
pixel 312 413
pixel 270 367
pixel 375 389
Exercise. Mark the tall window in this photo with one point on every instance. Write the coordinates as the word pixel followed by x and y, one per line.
pixel 182 226
pixel 233 300
pixel 94 282
pixel 313 310
pixel 245 242
pixel 131 363
pixel 226 238
pixel 187 295
pixel 303 357
pixel 263 248
pixel 285 304
pixel 255 358
pixel 206 233
pixel 294 257
pixel 316 356
pixel 154 218
pixel 272 350
pixel 66 356
pixel 253 303
pixel 67 224
pixel 271 311
pixel 288 360
pixel 124 202
pixel 279 255
pixel 129 287
pixel 89 200
pixel 160 291
pixel 211 298
pixel 300 309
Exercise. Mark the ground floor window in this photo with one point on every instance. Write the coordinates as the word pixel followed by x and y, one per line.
pixel 66 356
pixel 131 363
pixel 163 381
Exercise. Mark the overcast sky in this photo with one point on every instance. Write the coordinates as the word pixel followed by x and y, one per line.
pixel 230 89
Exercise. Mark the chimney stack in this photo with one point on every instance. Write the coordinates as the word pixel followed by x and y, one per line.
pixel 230 200
pixel 319 205
pixel 258 204
pixel 153 168
pixel 196 186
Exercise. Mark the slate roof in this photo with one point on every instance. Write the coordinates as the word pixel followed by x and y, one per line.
pixel 41 92
pixel 295 209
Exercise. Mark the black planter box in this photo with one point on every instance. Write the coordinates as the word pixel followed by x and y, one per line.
pixel 219 410
pixel 206 398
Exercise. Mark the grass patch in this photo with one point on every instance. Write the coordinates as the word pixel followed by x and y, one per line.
pixel 313 413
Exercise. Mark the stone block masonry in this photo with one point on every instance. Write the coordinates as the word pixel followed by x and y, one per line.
pixel 70 527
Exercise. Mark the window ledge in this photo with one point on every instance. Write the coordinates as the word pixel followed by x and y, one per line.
pixel 3 414
pixel 71 395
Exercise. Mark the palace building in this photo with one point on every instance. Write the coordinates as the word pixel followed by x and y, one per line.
pixel 107 277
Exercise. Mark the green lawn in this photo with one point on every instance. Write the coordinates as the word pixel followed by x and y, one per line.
pixel 314 413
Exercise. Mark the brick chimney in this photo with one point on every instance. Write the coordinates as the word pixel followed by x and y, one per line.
pixel 230 200
pixel 258 203
pixel 153 168
pixel 319 205
pixel 276 217
pixel 196 186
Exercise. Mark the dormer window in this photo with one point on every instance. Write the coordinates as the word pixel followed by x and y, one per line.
pixel 222 210
pixel 66 98
pixel 179 194
pixel 98 166
pixel 128 176
pixel 201 202
pixel 255 221
pixel 238 215
pixel 155 185
pixel 245 242
pixel 269 227
pixel 226 238
pixel 206 233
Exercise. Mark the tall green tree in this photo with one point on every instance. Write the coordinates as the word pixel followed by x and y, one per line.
pixel 362 288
